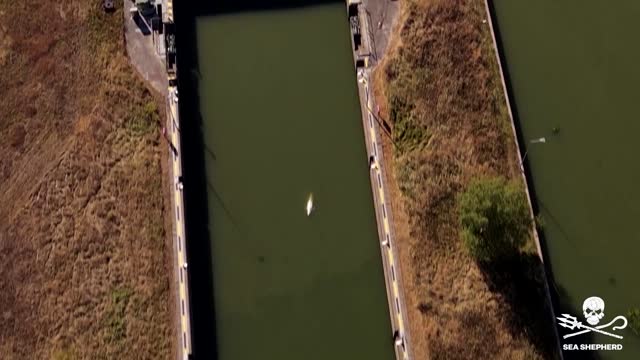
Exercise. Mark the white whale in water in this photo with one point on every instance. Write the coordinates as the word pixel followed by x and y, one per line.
pixel 309 207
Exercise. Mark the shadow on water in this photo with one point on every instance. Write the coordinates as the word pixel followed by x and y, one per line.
pixel 560 299
pixel 196 186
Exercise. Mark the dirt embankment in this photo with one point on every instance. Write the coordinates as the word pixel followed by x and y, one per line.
pixel 83 252
pixel 439 87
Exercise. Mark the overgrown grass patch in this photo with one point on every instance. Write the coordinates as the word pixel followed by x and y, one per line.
pixel 64 354
pixel 143 119
pixel 115 320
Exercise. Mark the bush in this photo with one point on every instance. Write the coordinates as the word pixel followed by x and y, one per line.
pixel 494 216
pixel 116 319
pixel 143 118
pixel 63 355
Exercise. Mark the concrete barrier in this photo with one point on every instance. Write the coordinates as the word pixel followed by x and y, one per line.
pixel 182 273
pixel 397 307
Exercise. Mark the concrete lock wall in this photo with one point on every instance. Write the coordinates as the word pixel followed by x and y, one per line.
pixel 362 55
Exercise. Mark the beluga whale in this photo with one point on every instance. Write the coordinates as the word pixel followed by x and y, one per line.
pixel 309 207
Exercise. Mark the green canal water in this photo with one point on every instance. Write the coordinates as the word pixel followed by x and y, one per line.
pixel 280 120
pixel 575 65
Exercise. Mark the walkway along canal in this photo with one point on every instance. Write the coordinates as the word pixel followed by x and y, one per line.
pixel 144 57
pixel 366 58
pixel 573 79
pixel 270 96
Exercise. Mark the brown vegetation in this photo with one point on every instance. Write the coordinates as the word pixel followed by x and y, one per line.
pixel 83 252
pixel 440 88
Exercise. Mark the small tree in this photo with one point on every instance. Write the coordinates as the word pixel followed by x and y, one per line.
pixel 494 217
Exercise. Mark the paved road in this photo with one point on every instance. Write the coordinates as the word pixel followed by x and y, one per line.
pixel 143 53
pixel 382 15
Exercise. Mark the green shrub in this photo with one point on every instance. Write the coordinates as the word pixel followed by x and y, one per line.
pixel 143 118
pixel 65 354
pixel 494 216
pixel 116 321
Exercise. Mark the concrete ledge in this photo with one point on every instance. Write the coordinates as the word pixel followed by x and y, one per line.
pixel 182 273
pixel 395 293
pixel 172 135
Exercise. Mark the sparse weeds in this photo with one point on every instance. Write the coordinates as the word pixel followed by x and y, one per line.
pixel 64 354
pixel 116 320
pixel 143 119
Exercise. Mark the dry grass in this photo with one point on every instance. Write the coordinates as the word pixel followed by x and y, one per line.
pixel 440 88
pixel 83 251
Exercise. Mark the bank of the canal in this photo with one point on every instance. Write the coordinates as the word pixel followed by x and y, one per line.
pixel 271 93
pixel 573 66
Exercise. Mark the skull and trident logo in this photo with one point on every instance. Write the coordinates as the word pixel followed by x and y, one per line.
pixel 593 310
